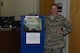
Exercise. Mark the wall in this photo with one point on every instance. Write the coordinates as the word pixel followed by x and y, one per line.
pixel 0 8
pixel 64 7
pixel 7 8
pixel 18 8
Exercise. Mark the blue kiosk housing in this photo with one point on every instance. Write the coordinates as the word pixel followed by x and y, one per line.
pixel 31 48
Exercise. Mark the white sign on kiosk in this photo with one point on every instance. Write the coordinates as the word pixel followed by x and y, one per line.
pixel 32 38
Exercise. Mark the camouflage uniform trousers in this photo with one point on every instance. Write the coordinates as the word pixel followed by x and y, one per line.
pixel 54 43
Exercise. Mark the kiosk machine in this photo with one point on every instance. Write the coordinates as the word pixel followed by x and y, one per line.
pixel 32 34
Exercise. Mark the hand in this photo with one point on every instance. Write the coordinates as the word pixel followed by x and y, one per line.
pixel 60 31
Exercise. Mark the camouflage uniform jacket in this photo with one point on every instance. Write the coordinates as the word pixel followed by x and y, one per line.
pixel 53 38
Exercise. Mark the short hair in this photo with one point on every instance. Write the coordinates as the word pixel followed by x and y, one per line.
pixel 54 5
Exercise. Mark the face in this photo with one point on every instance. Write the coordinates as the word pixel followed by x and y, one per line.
pixel 54 9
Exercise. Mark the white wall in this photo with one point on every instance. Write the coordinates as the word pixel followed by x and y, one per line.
pixel 18 8
pixel 65 13
pixel 64 7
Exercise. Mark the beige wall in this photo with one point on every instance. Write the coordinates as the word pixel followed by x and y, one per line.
pixel 18 7
pixel 0 8
pixel 7 8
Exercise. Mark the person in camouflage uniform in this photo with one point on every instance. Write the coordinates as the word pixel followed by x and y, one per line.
pixel 54 32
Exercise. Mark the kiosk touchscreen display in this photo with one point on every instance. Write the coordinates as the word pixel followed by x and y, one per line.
pixel 32 24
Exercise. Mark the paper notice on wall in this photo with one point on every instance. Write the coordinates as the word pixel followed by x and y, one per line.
pixel 32 38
